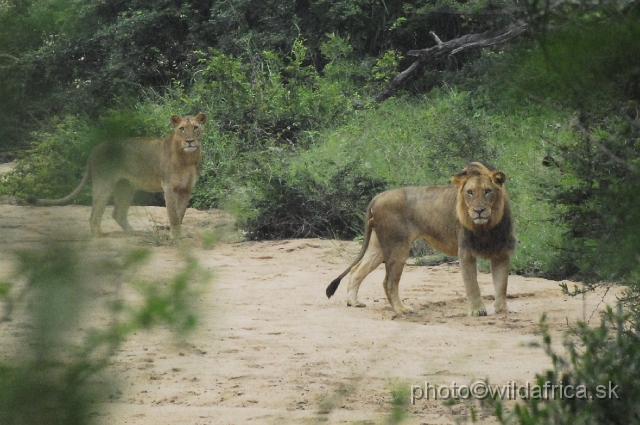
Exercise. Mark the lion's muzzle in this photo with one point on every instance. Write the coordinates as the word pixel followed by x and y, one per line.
pixel 191 147
pixel 480 215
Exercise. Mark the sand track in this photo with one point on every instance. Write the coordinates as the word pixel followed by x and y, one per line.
pixel 272 349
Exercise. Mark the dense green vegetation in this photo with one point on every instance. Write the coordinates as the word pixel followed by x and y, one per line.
pixel 297 146
pixel 290 88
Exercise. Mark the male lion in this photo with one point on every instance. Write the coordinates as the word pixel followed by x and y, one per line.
pixel 469 219
pixel 121 168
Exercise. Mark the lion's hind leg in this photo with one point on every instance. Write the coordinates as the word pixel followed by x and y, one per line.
pixel 100 197
pixel 372 258
pixel 122 198
pixel 395 266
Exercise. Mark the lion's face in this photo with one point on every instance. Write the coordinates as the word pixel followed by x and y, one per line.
pixel 188 132
pixel 479 194
pixel 480 197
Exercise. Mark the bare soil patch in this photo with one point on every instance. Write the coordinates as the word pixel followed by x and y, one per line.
pixel 272 349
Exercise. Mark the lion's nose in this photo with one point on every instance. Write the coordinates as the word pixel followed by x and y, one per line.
pixel 479 211
pixel 189 141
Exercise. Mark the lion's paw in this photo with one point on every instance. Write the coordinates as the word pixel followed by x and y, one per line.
pixel 356 304
pixel 480 312
pixel 503 309
pixel 406 309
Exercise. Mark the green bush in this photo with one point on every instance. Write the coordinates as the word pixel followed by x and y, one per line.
pixel 269 99
pixel 603 360
pixel 224 169
pixel 301 203
pixel 589 67
pixel 54 165
pixel 596 201
pixel 409 141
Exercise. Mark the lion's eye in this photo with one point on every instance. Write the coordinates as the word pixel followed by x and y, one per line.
pixel 195 127
pixel 470 192
pixel 487 191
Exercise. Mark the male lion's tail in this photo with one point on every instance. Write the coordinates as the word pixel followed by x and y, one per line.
pixel 368 227
pixel 67 199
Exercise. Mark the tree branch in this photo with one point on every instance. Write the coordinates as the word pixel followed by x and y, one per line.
pixel 564 149
pixel 6 55
pixel 449 48
pixel 399 80
pixel 634 123
pixel 576 124
pixel 436 38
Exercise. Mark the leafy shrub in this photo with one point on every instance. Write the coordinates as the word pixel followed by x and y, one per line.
pixel 271 98
pixel 607 356
pixel 53 166
pixel 592 66
pixel 299 204
pixel 597 202
pixel 409 142
pixel 223 165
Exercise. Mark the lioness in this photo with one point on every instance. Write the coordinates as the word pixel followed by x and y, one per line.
pixel 469 219
pixel 121 168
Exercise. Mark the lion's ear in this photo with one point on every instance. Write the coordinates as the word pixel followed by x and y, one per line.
pixel 460 178
pixel 499 177
pixel 201 118
pixel 175 120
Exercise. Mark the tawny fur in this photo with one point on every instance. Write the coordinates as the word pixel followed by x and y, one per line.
pixel 470 219
pixel 120 168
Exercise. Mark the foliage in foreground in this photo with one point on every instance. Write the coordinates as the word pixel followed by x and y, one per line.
pixel 55 373
pixel 603 360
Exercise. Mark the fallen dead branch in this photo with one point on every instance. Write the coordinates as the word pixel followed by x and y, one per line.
pixel 449 48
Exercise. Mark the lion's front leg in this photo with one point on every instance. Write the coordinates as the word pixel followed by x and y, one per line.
pixel 500 273
pixel 172 201
pixel 470 279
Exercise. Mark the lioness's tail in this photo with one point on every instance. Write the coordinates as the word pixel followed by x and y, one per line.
pixel 368 227
pixel 67 199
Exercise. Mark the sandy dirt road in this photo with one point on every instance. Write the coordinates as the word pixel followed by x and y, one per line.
pixel 272 349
